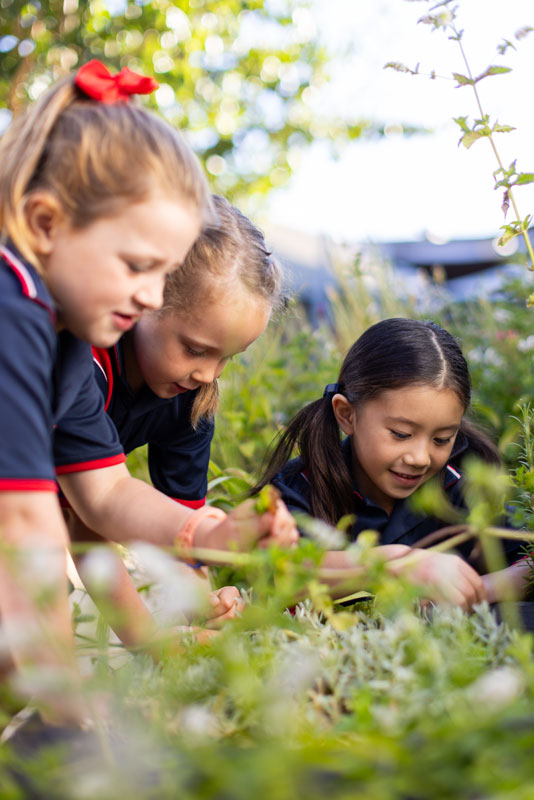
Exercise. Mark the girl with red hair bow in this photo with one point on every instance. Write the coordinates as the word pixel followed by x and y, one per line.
pixel 100 201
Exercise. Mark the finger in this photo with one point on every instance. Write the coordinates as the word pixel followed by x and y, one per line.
pixel 478 589
pixel 225 598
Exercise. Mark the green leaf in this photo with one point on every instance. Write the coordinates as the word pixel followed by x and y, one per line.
pixel 463 80
pixel 462 122
pixel 502 128
pixel 470 138
pixel 491 71
pixel 525 177
pixel 509 233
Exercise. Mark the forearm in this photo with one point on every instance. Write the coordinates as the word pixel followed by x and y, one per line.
pixel 123 509
pixel 351 576
pixel 33 585
pixel 118 601
pixel 507 584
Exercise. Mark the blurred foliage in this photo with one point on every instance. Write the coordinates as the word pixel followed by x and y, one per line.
pixel 241 77
pixel 291 363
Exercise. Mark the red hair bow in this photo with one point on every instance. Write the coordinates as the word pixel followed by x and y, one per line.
pixel 96 81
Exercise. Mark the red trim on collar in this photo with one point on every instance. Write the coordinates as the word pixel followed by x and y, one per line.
pixel 98 463
pixel 457 476
pixel 26 281
pixel 190 503
pixel 27 485
pixel 101 356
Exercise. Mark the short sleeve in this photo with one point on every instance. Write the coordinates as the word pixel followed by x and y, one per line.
pixel 28 352
pixel 179 466
pixel 85 437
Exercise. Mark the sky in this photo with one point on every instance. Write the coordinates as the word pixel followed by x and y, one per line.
pixel 399 188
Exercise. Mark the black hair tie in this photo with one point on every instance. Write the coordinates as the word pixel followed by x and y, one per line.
pixel 331 389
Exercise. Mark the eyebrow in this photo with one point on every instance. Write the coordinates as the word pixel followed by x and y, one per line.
pixel 148 262
pixel 407 421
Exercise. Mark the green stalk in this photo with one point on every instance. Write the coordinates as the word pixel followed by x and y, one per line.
pixel 524 231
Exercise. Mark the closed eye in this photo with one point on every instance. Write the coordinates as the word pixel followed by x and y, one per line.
pixel 192 352
pixel 133 267
pixel 440 441
pixel 399 435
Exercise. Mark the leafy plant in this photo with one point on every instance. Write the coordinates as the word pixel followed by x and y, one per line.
pixel 442 16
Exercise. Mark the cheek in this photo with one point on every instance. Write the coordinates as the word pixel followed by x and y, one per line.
pixel 441 458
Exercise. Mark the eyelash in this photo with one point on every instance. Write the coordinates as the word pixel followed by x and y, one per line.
pixel 403 436
pixel 192 352
pixel 134 267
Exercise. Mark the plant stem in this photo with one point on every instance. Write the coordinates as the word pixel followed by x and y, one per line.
pixel 524 231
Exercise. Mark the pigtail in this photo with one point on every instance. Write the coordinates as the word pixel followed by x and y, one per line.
pixel 479 443
pixel 22 150
pixel 314 430
pixel 205 403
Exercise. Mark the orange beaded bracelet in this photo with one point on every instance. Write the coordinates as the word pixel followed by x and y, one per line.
pixel 184 537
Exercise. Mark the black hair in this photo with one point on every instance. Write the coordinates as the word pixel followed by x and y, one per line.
pixel 391 354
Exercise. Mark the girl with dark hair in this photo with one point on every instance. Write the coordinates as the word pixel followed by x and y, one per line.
pixel 400 399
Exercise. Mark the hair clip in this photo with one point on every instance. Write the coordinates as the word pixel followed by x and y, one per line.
pixel 331 389
pixel 96 81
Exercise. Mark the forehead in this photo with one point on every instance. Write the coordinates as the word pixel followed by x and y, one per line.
pixel 422 405
pixel 227 324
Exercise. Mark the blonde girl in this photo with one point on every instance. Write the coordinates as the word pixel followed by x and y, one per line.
pixel 160 380
pixel 99 202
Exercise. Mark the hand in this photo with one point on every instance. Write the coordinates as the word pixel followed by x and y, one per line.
pixel 445 578
pixel 243 528
pixel 226 603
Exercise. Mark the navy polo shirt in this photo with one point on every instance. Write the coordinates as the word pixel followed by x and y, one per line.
pixel 178 455
pixel 403 525
pixel 52 417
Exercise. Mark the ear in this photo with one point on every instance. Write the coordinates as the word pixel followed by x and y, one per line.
pixel 44 216
pixel 344 413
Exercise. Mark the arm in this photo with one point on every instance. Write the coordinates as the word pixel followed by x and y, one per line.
pixel 442 577
pixel 124 509
pixel 122 605
pixel 34 602
pixel 507 584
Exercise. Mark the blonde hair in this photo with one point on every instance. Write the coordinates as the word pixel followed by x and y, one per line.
pixel 230 252
pixel 94 158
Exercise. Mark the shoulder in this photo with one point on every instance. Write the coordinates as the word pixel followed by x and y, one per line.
pixel 21 284
pixel 294 486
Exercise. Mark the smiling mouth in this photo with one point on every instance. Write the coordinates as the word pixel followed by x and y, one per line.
pixel 408 477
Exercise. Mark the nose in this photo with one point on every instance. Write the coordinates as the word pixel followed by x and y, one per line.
pixel 149 294
pixel 417 454
pixel 207 372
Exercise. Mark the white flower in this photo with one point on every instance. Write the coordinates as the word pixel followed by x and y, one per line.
pixel 501 315
pixel 101 569
pixel 198 722
pixel 497 688
pixel 475 355
pixel 492 357
pixel 526 345
pixel 176 592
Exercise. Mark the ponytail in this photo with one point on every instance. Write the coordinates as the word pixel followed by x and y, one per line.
pixel 314 430
pixel 94 158
pixel 479 443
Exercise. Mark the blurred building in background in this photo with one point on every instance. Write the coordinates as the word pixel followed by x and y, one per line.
pixel 464 268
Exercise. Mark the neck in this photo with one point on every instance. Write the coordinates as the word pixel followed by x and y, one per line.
pixel 367 488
